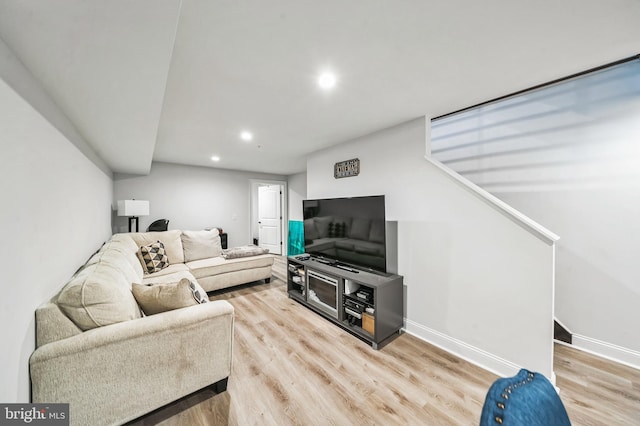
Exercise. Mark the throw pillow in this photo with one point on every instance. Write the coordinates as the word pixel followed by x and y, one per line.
pixel 322 225
pixel 154 257
pixel 360 229
pixel 376 234
pixel 201 244
pixel 310 231
pixel 332 230
pixel 345 224
pixel 156 298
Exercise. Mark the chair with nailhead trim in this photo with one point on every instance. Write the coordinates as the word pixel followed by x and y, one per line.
pixel 524 399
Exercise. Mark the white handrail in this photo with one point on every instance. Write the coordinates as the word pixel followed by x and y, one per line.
pixel 525 222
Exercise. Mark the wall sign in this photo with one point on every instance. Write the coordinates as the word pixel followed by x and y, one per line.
pixel 346 168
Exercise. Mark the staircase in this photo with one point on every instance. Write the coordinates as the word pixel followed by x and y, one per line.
pixel 567 156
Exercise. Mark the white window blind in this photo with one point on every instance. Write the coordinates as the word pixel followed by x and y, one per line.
pixel 582 132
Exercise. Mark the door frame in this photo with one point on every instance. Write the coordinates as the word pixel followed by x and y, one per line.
pixel 284 210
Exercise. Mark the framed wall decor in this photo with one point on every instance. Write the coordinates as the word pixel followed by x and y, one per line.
pixel 346 168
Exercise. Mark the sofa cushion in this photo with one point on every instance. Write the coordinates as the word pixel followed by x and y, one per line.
pixel 157 298
pixel 124 244
pixel 310 230
pixel 376 233
pixel 154 257
pixel 201 244
pixel 321 244
pixel 120 261
pixel 372 251
pixel 322 225
pixel 367 247
pixel 360 229
pixel 98 295
pixel 169 270
pixel 173 277
pixel 171 240
pixel 345 244
pixel 219 265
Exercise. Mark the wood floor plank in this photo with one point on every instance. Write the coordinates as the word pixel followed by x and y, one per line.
pixel 293 367
pixel 596 391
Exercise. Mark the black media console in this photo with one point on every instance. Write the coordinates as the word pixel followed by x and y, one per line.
pixel 367 304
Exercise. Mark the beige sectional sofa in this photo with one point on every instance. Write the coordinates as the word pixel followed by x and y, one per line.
pixel 98 351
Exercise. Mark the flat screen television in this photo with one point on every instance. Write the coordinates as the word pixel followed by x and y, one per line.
pixel 348 231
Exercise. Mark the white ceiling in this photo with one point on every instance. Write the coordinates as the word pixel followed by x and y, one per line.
pixel 177 81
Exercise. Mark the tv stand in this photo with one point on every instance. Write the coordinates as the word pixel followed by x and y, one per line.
pixel 366 304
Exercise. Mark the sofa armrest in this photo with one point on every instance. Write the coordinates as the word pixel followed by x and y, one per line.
pixel 119 372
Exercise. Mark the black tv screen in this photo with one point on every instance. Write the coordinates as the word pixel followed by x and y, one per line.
pixel 347 230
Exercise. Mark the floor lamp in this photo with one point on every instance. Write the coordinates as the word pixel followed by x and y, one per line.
pixel 134 209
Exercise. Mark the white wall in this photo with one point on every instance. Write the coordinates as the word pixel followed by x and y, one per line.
pixel 297 192
pixel 477 283
pixel 14 73
pixel 55 214
pixel 598 290
pixel 192 198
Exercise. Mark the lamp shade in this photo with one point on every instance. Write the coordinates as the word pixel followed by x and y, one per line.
pixel 133 208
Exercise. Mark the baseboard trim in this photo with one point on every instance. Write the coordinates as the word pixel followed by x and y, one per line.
pixel 479 357
pixel 607 350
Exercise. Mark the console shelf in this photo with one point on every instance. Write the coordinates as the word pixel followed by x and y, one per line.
pixel 367 304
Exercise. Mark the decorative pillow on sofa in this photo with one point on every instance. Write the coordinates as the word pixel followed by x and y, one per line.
pixel 170 239
pixel 332 230
pixel 153 257
pixel 337 230
pixel 156 298
pixel 201 244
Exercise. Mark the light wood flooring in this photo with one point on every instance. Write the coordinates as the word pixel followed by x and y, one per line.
pixel 292 367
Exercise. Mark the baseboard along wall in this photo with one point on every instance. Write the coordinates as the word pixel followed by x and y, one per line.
pixel 479 357
pixel 607 350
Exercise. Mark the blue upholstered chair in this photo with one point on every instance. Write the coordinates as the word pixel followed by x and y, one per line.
pixel 526 399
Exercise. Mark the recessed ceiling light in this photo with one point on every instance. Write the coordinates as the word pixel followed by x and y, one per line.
pixel 246 136
pixel 327 80
pixel 215 158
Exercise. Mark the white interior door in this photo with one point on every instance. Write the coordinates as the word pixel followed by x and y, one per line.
pixel 270 218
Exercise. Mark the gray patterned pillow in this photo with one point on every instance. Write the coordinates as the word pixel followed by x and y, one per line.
pixel 154 257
